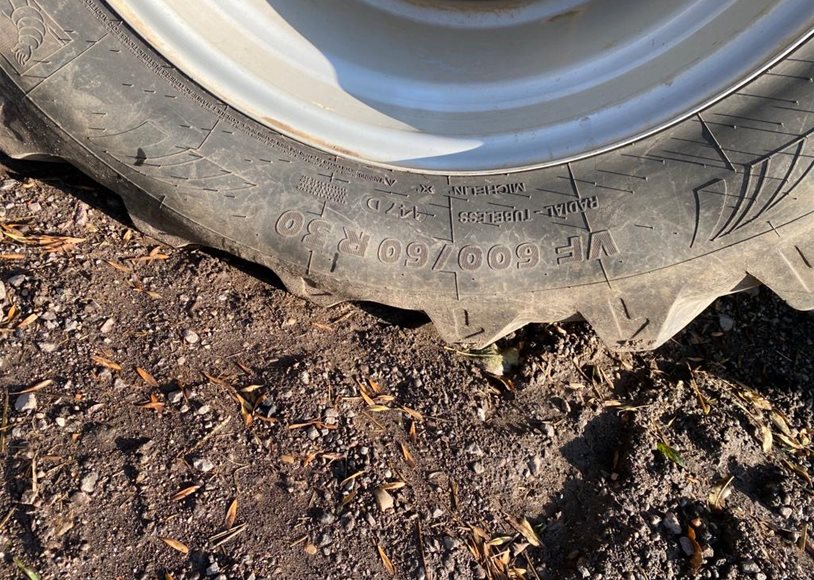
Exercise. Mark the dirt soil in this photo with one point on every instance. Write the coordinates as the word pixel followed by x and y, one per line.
pixel 176 414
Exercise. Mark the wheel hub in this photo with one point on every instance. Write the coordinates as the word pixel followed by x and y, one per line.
pixel 462 86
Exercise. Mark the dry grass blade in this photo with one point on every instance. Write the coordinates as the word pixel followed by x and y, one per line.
pixel 702 400
pixel 780 422
pixel 392 485
pixel 803 539
pixel 28 321
pixel 412 413
pixel 350 478
pixel 36 387
pixel 347 498
pixel 154 404
pixel 524 528
pixel 789 442
pixel 799 470
pixel 186 492
pixel 12 257
pixel 766 438
pixel 231 514
pixel 408 456
pixel 147 377
pixel 719 493
pixel 107 363
pixel 221 538
pixel 175 545
pixel 116 266
pixel 388 564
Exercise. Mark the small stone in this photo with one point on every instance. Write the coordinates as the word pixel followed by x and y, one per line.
pixel 726 322
pixel 203 410
pixel 17 280
pixel 47 347
pixel 313 433
pixel 327 518
pixel 60 421
pixel 107 326
pixel 750 567
pixel 535 465
pixel 80 216
pixel 324 540
pixel 474 449
pixel 202 464
pixel 191 336
pixel 2 292
pixel 786 511
pixel 671 524
pixel 478 467
pixel 305 377
pixel 383 499
pixel 175 397
pixel 88 483
pixel 26 402
pixel 686 545
pixel 213 569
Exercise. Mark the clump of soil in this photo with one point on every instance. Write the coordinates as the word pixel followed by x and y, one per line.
pixel 175 414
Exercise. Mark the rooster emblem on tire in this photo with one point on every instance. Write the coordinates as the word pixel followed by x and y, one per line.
pixel 30 26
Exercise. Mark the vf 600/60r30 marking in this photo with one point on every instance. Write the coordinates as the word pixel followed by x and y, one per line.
pixel 318 233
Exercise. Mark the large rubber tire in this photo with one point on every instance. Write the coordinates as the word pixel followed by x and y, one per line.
pixel 637 240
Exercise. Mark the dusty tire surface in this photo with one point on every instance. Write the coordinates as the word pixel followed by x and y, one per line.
pixel 638 240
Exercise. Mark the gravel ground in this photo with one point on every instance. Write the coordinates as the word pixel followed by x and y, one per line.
pixel 175 414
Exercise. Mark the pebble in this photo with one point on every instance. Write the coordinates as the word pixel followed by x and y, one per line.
pixel 2 292
pixel 107 326
pixel 474 449
pixel 686 545
pixel 383 499
pixel 203 409
pixel 26 402
pixel 671 524
pixel 478 467
pixel 213 569
pixel 324 539
pixel 535 465
pixel 47 346
pixel 88 483
pixel 60 421
pixel 202 464
pixel 17 280
pixel 726 322
pixel 313 433
pixel 175 397
pixel 750 567
pixel 191 336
